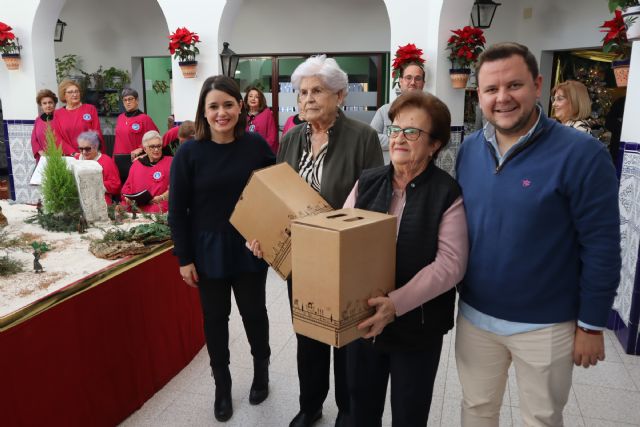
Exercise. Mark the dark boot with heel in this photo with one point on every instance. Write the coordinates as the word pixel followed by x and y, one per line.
pixel 260 385
pixel 223 406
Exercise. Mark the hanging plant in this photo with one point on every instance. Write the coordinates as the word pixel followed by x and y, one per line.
pixel 405 55
pixel 465 46
pixel 160 86
pixel 10 47
pixel 182 45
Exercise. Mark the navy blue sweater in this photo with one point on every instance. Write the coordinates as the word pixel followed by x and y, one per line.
pixel 206 181
pixel 544 228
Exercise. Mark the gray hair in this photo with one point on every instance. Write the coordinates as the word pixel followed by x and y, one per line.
pixel 327 69
pixel 150 136
pixel 91 137
pixel 127 91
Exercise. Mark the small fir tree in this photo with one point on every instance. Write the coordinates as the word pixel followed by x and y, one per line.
pixel 58 183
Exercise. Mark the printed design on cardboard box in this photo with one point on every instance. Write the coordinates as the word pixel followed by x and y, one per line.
pixel 323 317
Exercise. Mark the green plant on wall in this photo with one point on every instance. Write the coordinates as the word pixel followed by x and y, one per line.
pixel 160 86
pixel 65 65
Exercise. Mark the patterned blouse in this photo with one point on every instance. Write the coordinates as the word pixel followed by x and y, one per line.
pixel 310 169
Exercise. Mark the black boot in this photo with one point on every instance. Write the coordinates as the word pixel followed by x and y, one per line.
pixel 222 407
pixel 260 386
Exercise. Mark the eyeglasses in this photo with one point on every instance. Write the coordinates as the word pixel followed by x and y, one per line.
pixel 411 134
pixel 559 98
pixel 154 147
pixel 128 99
pixel 417 79
pixel 72 92
pixel 87 149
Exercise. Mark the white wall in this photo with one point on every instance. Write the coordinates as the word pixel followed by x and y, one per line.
pixel 287 26
pixel 110 33
pixel 630 127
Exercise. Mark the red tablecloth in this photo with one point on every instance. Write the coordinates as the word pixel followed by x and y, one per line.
pixel 95 358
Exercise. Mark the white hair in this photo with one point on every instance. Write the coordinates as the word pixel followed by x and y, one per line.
pixel 327 69
pixel 91 137
pixel 150 135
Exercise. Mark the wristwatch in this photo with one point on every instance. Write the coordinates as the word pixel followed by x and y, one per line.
pixel 590 331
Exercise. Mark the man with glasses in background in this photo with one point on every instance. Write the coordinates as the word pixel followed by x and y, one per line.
pixel 148 181
pixel 408 69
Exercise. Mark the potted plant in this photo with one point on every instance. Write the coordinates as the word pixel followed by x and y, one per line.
pixel 615 41
pixel 405 55
pixel 465 45
pixel 631 15
pixel 10 47
pixel 182 45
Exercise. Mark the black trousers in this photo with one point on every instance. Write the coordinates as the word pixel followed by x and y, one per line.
pixel 314 362
pixel 215 298
pixel 412 376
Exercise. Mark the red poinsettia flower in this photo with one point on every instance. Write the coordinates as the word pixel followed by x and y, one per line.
pixel 5 33
pixel 182 44
pixel 615 40
pixel 466 44
pixel 406 54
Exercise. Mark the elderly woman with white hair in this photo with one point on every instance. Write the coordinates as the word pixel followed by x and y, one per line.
pixel 148 181
pixel 89 149
pixel 329 152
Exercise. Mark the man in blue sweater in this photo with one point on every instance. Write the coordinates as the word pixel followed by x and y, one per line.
pixel 542 207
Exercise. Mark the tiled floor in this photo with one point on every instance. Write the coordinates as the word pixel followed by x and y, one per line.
pixel 603 396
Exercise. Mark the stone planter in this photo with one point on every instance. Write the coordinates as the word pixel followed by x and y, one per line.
pixel 632 13
pixel 11 60
pixel 189 69
pixel 459 77
pixel 621 72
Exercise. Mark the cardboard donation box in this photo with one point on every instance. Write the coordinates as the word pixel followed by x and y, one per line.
pixel 340 260
pixel 272 198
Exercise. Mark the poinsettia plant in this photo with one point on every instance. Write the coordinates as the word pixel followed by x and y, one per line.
pixel 615 39
pixel 182 44
pixel 466 44
pixel 8 40
pixel 407 54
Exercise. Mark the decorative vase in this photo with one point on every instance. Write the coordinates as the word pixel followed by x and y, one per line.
pixel 188 69
pixel 632 13
pixel 459 77
pixel 11 60
pixel 621 72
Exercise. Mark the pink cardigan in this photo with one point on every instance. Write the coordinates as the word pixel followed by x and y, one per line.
pixel 451 259
pixel 264 124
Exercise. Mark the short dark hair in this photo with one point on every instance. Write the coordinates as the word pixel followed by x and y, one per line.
pixel 432 105
pixel 46 93
pixel 262 101
pixel 417 64
pixel 506 50
pixel 230 87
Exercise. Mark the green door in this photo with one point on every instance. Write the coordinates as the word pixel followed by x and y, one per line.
pixel 157 95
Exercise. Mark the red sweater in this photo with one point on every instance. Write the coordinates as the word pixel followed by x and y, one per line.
pixel 129 132
pixel 264 124
pixel 110 176
pixel 170 135
pixel 72 123
pixel 38 139
pixel 154 178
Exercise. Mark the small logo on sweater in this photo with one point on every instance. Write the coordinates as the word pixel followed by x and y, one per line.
pixel 86 117
pixel 526 183
pixel 157 175
pixel 135 126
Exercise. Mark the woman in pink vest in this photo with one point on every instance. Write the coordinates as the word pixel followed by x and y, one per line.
pixel 47 101
pixel 75 118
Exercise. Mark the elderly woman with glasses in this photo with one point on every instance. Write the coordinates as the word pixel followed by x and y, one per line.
pixel 329 152
pixel 572 105
pixel 89 149
pixel 148 180
pixel 131 125
pixel 410 73
pixel 403 339
pixel 75 118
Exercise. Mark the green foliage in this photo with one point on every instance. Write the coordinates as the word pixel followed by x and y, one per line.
pixel 9 266
pixel 621 4
pixel 65 65
pixel 160 86
pixel 58 184
pixel 144 233
pixel 7 242
pixel 42 246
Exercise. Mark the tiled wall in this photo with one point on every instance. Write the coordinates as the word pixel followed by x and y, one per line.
pixel 629 289
pixel 20 160
pixel 447 158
